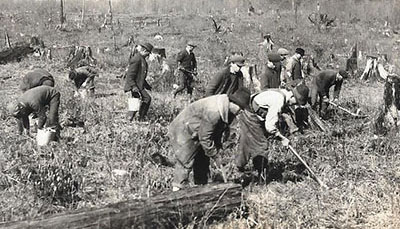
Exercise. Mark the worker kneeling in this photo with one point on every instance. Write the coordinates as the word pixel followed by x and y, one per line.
pixel 259 124
pixel 196 133
pixel 35 101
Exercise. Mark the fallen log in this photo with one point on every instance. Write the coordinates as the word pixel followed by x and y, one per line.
pixel 315 121
pixel 20 50
pixel 169 210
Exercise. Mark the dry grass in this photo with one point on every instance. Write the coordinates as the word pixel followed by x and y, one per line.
pixel 360 169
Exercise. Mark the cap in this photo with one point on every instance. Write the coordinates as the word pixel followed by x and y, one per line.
pixel 191 43
pixel 301 93
pixel 237 59
pixel 300 51
pixel 343 73
pixel 273 57
pixel 283 51
pixel 149 47
pixel 241 97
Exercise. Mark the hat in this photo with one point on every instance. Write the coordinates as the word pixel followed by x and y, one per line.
pixel 273 57
pixel 191 43
pixel 241 97
pixel 300 51
pixel 237 59
pixel 14 108
pixel 283 51
pixel 343 73
pixel 147 46
pixel 301 92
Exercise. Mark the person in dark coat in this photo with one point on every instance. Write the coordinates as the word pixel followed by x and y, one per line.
pixel 135 81
pixel 187 67
pixel 83 77
pixel 36 78
pixel 271 77
pixel 35 101
pixel 294 69
pixel 320 86
pixel 229 79
pixel 195 134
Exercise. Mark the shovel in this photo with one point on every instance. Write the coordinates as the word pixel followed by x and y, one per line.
pixel 357 114
pixel 308 167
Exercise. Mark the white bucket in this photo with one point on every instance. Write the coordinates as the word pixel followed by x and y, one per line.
pixel 83 93
pixel 44 136
pixel 134 104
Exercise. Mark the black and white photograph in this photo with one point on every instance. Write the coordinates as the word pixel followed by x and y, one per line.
pixel 184 114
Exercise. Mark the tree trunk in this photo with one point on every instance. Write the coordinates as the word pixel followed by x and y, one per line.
pixel 83 12
pixel 112 26
pixel 62 12
pixel 202 204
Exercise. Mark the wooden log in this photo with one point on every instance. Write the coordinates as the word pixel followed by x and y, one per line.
pixel 315 121
pixel 207 203
pixel 15 53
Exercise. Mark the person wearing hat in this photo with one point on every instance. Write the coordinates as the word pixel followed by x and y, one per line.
pixel 294 68
pixel 271 77
pixel 260 123
pixel 195 134
pixel 83 77
pixel 187 67
pixel 36 78
pixel 135 80
pixel 266 47
pixel 320 86
pixel 229 79
pixel 284 60
pixel 35 100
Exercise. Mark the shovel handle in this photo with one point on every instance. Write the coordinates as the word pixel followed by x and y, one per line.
pixel 308 167
pixel 344 109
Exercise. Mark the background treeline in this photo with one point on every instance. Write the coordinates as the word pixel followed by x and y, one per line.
pixel 363 10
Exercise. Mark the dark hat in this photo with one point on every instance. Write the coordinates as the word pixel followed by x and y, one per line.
pixel 191 43
pixel 273 57
pixel 343 73
pixel 301 92
pixel 149 47
pixel 283 51
pixel 237 59
pixel 241 97
pixel 15 108
pixel 300 51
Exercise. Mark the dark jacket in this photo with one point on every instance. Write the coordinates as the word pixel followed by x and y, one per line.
pixel 136 74
pixel 224 83
pixel 35 101
pixel 187 61
pixel 271 78
pixel 294 67
pixel 36 78
pixel 325 80
pixel 85 73
pixel 37 98
pixel 201 124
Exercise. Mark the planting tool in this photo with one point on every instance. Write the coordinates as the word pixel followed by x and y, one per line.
pixel 357 114
pixel 308 167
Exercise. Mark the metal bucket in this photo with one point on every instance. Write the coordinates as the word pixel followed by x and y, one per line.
pixel 134 104
pixel 44 136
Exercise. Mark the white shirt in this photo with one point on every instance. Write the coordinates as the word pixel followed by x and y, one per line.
pixel 274 101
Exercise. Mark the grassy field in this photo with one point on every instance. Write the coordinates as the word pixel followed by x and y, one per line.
pixel 362 170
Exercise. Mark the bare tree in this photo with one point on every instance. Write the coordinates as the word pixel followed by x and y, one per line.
pixel 62 18
pixel 83 11
pixel 112 27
